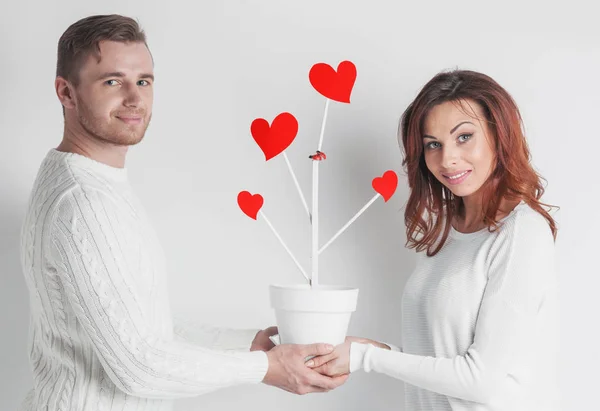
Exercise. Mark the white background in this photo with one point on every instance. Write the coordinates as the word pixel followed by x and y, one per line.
pixel 219 65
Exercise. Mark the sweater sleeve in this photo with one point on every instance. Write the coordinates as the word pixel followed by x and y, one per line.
pixel 86 257
pixel 217 338
pixel 520 274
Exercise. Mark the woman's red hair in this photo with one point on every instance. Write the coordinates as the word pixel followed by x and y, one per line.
pixel 513 178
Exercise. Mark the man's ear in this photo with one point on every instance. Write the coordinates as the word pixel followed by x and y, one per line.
pixel 64 91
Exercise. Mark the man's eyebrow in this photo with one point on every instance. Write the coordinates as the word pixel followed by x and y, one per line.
pixel 120 74
pixel 451 131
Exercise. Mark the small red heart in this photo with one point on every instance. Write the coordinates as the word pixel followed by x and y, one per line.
pixel 334 85
pixel 250 204
pixel 386 184
pixel 275 138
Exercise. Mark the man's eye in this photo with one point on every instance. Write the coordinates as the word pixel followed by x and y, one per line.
pixel 144 81
pixel 108 82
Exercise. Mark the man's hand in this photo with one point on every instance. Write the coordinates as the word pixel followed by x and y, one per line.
pixel 288 371
pixel 337 362
pixel 261 341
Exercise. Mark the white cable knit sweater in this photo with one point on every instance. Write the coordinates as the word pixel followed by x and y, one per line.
pixel 101 333
pixel 479 323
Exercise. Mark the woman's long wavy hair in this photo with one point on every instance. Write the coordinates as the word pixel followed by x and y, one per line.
pixel 513 177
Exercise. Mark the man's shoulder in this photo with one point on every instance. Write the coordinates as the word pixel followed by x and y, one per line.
pixel 83 196
pixel 53 194
pixel 57 177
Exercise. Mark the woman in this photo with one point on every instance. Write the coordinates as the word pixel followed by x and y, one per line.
pixel 479 310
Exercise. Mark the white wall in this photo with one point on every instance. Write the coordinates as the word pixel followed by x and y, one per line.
pixel 219 65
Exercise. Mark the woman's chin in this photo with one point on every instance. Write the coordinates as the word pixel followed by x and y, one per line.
pixel 461 191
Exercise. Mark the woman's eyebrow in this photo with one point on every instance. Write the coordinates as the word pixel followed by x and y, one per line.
pixel 451 131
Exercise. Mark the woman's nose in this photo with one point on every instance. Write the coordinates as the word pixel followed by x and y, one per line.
pixel 449 157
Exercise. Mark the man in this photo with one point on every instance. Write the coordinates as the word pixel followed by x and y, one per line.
pixel 101 332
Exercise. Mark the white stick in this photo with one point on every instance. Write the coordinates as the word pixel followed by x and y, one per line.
pixel 297 185
pixel 284 246
pixel 323 124
pixel 349 222
pixel 315 206
pixel 315 224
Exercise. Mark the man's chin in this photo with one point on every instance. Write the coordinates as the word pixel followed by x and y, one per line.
pixel 132 142
pixel 124 141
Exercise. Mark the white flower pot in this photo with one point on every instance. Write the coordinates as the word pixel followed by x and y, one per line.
pixel 306 315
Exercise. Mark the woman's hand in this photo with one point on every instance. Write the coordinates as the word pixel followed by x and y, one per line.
pixel 334 364
pixel 368 341
pixel 338 362
pixel 261 341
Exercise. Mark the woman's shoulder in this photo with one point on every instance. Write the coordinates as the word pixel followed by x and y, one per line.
pixel 524 224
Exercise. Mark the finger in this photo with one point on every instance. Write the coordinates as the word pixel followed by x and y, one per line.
pixel 314 388
pixel 329 370
pixel 316 349
pixel 307 389
pixel 323 359
pixel 323 369
pixel 321 381
pixel 271 331
pixel 340 380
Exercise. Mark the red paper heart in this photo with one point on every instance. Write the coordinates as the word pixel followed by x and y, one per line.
pixel 386 184
pixel 250 204
pixel 275 138
pixel 334 85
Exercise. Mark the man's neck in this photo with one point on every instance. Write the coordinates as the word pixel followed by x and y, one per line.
pixel 100 151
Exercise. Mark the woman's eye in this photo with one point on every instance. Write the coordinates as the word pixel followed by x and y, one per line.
pixel 430 145
pixel 468 136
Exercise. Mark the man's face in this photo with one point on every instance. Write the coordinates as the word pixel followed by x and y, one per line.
pixel 113 101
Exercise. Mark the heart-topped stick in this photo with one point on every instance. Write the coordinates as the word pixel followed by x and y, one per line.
pixel 251 206
pixel 385 186
pixel 333 85
pixel 274 139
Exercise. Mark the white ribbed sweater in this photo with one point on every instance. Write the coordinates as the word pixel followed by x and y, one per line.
pixel 479 323
pixel 102 336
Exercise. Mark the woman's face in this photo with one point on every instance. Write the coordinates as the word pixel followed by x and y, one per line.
pixel 458 147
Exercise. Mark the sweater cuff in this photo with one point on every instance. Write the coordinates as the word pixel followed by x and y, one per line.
pixel 257 369
pixel 359 356
pixel 392 346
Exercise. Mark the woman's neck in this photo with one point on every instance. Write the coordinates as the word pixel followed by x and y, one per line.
pixel 469 217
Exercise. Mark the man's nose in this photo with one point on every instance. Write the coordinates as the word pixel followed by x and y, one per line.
pixel 132 97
